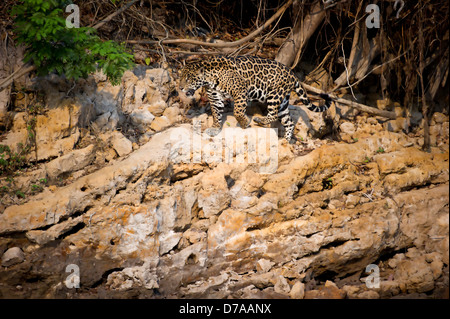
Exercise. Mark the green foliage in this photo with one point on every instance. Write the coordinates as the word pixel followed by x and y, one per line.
pixel 73 52
pixel 327 183
pixel 11 161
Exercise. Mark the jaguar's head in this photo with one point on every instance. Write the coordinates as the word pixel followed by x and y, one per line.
pixel 192 78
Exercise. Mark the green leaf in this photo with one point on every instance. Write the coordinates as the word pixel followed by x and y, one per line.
pixel 73 52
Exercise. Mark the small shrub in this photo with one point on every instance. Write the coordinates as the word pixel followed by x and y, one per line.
pixel 73 52
pixel 11 161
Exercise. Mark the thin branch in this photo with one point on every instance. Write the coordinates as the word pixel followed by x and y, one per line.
pixel 112 15
pixel 359 106
pixel 372 70
pixel 221 44
pixel 426 129
pixel 24 69
pixel 347 73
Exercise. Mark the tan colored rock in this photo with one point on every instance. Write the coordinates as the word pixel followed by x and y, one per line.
pixel 47 209
pixel 156 108
pixel 206 230
pixel 12 257
pixel 438 118
pixel 328 291
pixel 160 123
pixel 121 144
pixel 264 265
pixel 70 162
pixel 281 285
pixel 172 114
pixel 414 275
pixel 369 294
pixel 56 131
pixel 307 123
pixel 297 291
pixel 142 117
pixel 398 125
pixel 213 196
pixel 194 235
pixel 134 277
pixel 347 128
pixel 168 241
pixel 42 237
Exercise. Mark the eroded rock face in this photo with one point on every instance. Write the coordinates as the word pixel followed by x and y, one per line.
pixel 173 212
pixel 229 231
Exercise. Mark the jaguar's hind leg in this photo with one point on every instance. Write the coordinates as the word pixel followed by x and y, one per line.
pixel 285 118
pixel 272 114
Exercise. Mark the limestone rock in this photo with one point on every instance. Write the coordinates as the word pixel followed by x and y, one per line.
pixel 213 196
pixel 297 291
pixel 347 128
pixel 193 228
pixel 438 118
pixel 397 125
pixel 134 277
pixel 142 118
pixel 168 241
pixel 307 123
pixel 56 131
pixel 264 265
pixel 156 108
pixel 70 162
pixel 281 285
pixel 172 114
pixel 328 291
pixel 42 237
pixel 121 144
pixel 159 76
pixel 12 257
pixel 160 123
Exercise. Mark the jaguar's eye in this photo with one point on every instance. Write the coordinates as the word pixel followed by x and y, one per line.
pixel 190 92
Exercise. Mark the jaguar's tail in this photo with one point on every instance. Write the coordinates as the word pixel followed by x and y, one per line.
pixel 301 92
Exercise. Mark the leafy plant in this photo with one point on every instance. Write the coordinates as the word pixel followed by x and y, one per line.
pixel 367 160
pixel 11 161
pixel 73 52
pixel 327 183
pixel 36 188
pixel 20 194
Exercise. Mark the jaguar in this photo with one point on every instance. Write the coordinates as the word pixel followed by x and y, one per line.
pixel 245 79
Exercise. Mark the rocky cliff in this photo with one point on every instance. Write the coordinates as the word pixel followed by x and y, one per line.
pixel 126 196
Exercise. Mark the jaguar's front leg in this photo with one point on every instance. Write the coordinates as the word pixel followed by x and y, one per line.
pixel 217 105
pixel 240 106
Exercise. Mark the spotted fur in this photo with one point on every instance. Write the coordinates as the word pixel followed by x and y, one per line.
pixel 247 78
